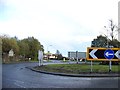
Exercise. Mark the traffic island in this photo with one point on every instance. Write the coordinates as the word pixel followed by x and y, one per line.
pixel 77 70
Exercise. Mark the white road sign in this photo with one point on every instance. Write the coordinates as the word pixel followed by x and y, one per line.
pixel 40 57
pixel 11 53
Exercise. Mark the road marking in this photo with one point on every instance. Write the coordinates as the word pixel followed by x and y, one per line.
pixel 92 53
pixel 19 85
pixel 18 81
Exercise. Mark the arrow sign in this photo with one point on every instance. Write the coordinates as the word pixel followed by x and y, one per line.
pixel 103 54
pixel 109 54
pixel 117 54
pixel 92 53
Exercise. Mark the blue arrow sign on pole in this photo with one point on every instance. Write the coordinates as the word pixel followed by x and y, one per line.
pixel 109 54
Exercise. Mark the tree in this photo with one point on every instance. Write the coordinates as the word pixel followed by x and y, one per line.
pixel 115 43
pixel 29 47
pixel 24 48
pixel 111 29
pixel 100 41
pixel 57 52
pixel 59 55
pixel 8 44
pixel 106 41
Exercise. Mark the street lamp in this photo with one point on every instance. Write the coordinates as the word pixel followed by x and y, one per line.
pixel 48 51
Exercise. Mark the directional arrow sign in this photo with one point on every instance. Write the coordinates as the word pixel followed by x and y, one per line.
pixel 103 54
pixel 109 54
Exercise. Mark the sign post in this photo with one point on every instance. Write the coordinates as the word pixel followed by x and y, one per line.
pixel 40 57
pixel 91 66
pixel 103 54
pixel 110 66
pixel 77 56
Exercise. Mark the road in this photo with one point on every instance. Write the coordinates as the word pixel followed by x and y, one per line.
pixel 17 76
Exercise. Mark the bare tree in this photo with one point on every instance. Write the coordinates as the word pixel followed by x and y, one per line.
pixel 111 29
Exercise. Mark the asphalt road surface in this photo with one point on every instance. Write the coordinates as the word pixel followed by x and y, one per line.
pixel 17 76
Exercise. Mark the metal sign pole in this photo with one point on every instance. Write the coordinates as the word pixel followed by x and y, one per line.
pixel 110 69
pixel 91 66
pixel 39 62
pixel 41 58
pixel 77 56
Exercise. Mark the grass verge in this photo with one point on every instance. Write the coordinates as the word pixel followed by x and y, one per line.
pixel 77 68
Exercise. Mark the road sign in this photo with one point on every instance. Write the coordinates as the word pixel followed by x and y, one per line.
pixel 117 54
pixel 40 57
pixel 109 54
pixel 103 54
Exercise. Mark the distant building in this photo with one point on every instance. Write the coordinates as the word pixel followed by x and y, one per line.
pixel 52 56
pixel 49 56
pixel 74 55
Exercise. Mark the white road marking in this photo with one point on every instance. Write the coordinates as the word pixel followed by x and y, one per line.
pixel 17 83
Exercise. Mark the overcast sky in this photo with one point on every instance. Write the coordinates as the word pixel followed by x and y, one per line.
pixel 67 25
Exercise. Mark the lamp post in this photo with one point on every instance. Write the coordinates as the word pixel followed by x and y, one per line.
pixel 77 56
pixel 48 51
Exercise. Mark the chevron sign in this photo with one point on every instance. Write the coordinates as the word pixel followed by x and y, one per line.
pixel 103 54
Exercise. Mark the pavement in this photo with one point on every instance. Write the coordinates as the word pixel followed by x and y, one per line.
pixel 78 75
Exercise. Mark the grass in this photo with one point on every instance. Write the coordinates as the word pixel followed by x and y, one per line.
pixel 77 68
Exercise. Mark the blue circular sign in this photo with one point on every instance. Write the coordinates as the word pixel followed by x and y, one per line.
pixel 109 54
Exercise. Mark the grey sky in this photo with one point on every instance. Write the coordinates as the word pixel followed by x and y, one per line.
pixel 67 25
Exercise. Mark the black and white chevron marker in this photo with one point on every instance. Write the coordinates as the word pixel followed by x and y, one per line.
pixel 103 54
pixel 117 54
pixel 92 53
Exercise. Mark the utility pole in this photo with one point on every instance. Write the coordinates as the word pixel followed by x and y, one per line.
pixel 48 51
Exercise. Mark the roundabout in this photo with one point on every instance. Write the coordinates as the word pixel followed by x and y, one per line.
pixel 76 70
pixel 16 75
